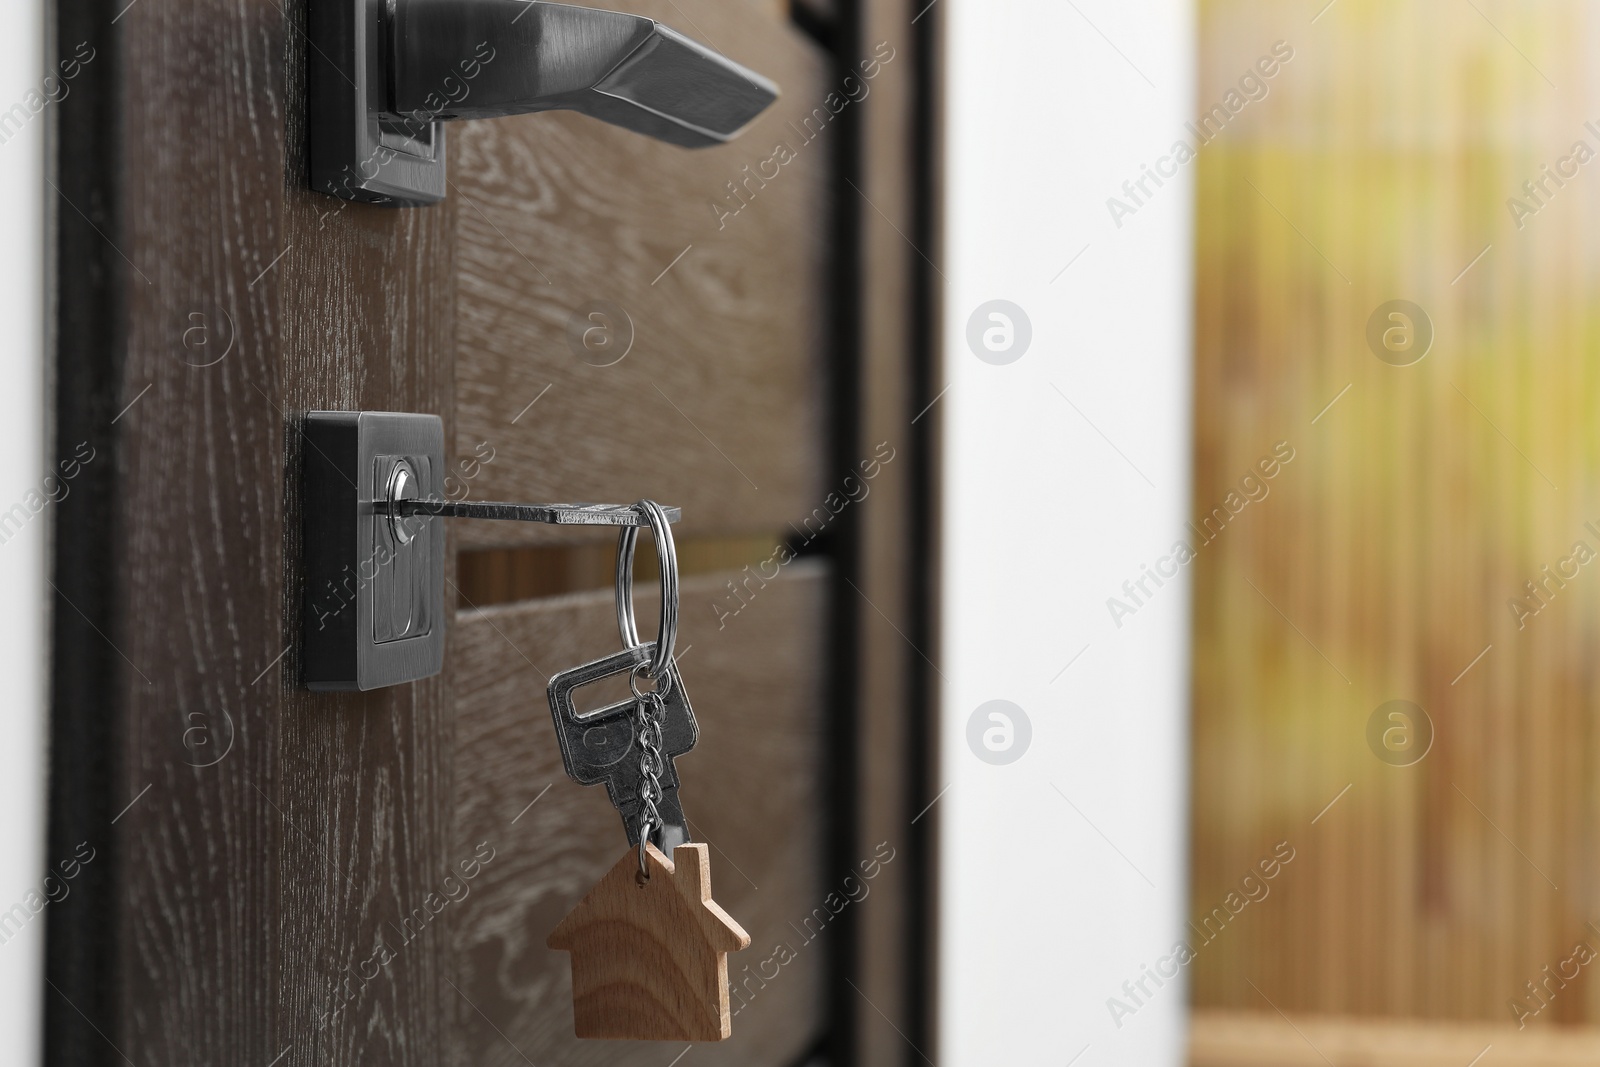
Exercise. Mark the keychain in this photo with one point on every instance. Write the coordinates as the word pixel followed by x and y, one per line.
pixel 648 944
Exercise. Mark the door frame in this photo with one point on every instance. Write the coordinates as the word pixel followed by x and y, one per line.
pixel 26 515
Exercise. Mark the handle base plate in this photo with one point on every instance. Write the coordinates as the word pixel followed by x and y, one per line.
pixel 356 151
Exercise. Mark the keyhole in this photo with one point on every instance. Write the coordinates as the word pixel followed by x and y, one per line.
pixel 402 486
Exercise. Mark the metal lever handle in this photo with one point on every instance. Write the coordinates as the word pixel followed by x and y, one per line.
pixel 531 55
pixel 383 75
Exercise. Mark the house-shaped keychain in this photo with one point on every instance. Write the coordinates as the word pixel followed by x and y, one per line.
pixel 650 959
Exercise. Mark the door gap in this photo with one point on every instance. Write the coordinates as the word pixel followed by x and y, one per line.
pixel 504 575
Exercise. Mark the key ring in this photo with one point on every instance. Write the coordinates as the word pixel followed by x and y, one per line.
pixel 642 877
pixel 667 557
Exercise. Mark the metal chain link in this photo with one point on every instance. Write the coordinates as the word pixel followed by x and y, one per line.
pixel 652 711
pixel 650 705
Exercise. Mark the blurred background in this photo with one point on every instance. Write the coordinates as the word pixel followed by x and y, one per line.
pixel 1392 161
pixel 1390 799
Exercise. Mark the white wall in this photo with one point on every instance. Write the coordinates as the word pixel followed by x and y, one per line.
pixel 24 647
pixel 1050 901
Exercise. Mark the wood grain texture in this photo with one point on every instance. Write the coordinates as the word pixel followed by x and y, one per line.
pixel 650 959
pixel 200 572
pixel 751 789
pixel 1266 1039
pixel 273 836
pixel 364 780
pixel 717 405
pixel 290 884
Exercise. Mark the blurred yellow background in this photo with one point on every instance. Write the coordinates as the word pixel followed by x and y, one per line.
pixel 1387 161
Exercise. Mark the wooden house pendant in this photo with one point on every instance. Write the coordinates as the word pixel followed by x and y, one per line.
pixel 650 959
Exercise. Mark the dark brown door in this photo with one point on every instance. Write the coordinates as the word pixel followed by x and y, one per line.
pixel 662 356
pixel 596 317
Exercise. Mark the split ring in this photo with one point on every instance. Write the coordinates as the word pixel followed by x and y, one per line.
pixel 661 684
pixel 667 557
pixel 642 878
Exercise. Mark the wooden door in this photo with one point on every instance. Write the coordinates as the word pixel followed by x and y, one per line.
pixel 694 382
pixel 279 874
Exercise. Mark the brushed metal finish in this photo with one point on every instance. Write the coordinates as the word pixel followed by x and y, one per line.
pixel 552 514
pixel 372 612
pixel 594 745
pixel 623 69
pixel 388 72
pixel 373 606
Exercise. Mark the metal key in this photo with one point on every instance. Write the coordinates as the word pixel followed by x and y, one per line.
pixel 594 745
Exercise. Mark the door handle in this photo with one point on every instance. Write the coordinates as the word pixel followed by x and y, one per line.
pixel 623 69
pixel 382 76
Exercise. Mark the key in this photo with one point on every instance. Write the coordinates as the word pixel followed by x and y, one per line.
pixel 600 746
